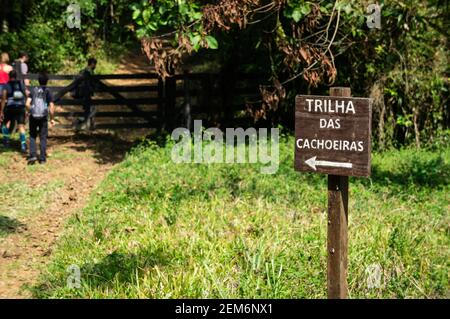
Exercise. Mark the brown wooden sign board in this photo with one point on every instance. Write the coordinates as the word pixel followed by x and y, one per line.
pixel 333 135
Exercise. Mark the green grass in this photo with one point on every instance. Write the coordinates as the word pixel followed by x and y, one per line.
pixel 154 229
pixel 5 158
pixel 19 200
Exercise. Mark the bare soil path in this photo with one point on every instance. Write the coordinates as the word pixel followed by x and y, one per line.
pixel 36 201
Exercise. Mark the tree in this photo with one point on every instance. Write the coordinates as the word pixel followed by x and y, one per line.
pixel 304 44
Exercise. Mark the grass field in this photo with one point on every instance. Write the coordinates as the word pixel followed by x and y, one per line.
pixel 155 229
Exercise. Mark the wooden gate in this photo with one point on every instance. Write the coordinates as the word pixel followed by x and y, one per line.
pixel 117 105
pixel 148 101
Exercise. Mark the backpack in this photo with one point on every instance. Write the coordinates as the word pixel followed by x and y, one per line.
pixel 39 106
pixel 18 92
pixel 17 97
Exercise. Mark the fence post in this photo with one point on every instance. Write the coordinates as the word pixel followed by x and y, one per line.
pixel 228 83
pixel 171 98
pixel 337 242
pixel 187 100
pixel 160 110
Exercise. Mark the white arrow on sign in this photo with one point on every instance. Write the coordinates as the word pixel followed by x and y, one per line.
pixel 313 162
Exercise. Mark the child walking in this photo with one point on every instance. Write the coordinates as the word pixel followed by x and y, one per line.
pixel 41 107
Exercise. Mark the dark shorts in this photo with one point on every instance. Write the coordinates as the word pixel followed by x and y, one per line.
pixel 14 114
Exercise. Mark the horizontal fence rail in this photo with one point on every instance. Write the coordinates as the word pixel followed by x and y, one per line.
pixel 153 102
pixel 137 105
pixel 137 76
pixel 127 102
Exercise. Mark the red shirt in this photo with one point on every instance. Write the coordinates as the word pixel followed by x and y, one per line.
pixel 4 76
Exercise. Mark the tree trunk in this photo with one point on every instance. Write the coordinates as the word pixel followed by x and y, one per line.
pixel 416 126
pixel 377 94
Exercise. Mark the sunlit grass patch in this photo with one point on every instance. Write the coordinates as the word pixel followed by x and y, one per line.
pixel 155 229
pixel 19 200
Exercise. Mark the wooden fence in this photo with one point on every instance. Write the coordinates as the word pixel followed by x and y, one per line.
pixel 152 102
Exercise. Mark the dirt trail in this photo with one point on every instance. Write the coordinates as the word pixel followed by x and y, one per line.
pixel 79 162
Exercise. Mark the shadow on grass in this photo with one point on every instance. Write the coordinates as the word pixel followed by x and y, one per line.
pixel 121 268
pixel 14 147
pixel 107 148
pixel 113 270
pixel 9 225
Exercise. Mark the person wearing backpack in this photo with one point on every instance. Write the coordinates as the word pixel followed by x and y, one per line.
pixel 12 109
pixel 41 107
pixel 21 67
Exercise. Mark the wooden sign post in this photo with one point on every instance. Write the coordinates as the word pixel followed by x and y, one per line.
pixel 333 136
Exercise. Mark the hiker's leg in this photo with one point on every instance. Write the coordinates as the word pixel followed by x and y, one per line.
pixel 11 125
pixel 87 107
pixel 5 128
pixel 23 138
pixel 5 133
pixel 21 125
pixel 33 136
pixel 92 117
pixel 43 133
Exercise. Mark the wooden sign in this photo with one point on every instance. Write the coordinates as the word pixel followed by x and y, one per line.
pixel 333 135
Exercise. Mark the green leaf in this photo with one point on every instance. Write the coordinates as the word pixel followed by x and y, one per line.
pixel 141 33
pixel 296 15
pixel 195 41
pixel 153 26
pixel 305 9
pixel 183 8
pixel 212 42
pixel 146 14
pixel 197 15
pixel 136 14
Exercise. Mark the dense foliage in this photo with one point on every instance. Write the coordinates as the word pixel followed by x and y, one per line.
pixel 302 46
pixel 306 45
pixel 40 28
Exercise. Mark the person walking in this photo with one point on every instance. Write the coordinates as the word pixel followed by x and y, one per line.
pixel 84 88
pixel 5 68
pixel 21 67
pixel 12 108
pixel 41 107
